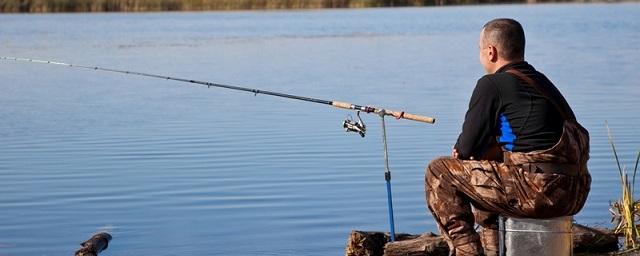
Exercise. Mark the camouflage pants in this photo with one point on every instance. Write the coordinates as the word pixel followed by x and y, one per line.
pixel 453 186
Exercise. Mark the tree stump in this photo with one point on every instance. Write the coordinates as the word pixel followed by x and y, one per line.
pixel 362 243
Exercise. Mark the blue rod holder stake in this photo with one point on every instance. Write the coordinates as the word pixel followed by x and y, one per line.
pixel 387 178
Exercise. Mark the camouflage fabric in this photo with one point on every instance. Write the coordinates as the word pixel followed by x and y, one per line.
pixel 538 184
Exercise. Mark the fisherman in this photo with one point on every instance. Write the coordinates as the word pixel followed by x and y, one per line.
pixel 521 152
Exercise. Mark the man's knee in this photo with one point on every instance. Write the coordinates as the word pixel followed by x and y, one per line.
pixel 435 167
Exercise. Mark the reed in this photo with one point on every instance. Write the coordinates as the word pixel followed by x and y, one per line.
pixel 204 5
pixel 626 211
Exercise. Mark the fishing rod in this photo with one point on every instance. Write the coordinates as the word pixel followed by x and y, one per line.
pixel 338 104
pixel 348 124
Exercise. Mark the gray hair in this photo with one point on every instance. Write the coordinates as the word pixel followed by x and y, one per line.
pixel 507 35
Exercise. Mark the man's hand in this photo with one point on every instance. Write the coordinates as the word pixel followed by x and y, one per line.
pixel 455 154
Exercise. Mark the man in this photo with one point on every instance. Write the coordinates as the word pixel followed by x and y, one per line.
pixel 539 169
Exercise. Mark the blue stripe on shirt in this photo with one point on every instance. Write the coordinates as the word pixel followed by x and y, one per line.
pixel 507 138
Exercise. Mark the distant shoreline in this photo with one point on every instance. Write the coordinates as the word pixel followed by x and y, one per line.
pixel 54 6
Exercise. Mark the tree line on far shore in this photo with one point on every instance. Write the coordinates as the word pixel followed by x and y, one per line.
pixel 205 5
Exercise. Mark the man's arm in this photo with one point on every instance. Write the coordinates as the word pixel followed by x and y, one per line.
pixel 479 122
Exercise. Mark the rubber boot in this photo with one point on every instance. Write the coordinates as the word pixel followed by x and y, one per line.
pixel 489 239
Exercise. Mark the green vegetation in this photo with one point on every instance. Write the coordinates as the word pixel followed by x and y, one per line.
pixel 626 211
pixel 203 5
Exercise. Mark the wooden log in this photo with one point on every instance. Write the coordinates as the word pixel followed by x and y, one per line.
pixel 97 243
pixel 592 240
pixel 426 244
pixel 362 243
pixel 371 243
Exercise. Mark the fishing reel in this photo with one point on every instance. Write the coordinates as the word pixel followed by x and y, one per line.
pixel 350 125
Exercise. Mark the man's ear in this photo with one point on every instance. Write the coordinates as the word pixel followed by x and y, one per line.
pixel 493 53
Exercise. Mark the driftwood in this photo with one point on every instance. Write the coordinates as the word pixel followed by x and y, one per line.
pixel 426 244
pixel 97 243
pixel 361 243
pixel 592 240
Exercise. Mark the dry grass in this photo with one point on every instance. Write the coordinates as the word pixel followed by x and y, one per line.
pixel 626 211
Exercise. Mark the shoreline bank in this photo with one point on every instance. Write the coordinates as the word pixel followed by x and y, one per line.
pixel 70 6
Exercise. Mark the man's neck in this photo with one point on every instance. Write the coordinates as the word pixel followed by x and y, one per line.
pixel 500 64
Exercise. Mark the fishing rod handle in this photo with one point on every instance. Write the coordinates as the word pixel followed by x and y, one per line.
pixel 396 114
pixel 340 104
pixel 404 115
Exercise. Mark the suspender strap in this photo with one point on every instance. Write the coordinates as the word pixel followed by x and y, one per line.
pixel 544 92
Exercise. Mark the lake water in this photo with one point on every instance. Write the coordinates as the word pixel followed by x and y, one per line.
pixel 173 169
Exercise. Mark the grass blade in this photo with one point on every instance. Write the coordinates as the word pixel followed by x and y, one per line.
pixel 635 169
pixel 613 146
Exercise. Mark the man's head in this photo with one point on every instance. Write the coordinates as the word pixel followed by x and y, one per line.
pixel 501 41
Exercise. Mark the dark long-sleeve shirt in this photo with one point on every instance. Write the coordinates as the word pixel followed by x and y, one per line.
pixel 518 116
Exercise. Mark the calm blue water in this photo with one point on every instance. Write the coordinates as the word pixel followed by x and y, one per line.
pixel 174 169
